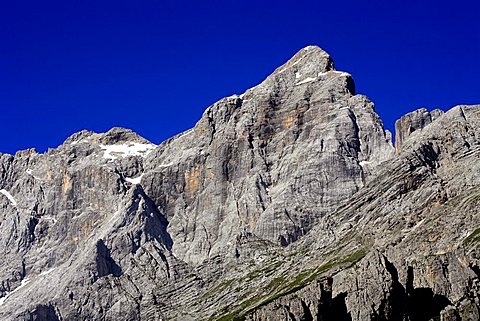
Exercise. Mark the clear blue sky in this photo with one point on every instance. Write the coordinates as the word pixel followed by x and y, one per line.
pixel 154 66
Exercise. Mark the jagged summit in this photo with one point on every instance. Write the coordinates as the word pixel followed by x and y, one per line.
pixel 309 67
pixel 311 58
pixel 115 135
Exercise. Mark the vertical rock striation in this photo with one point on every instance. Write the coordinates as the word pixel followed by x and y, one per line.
pixel 272 161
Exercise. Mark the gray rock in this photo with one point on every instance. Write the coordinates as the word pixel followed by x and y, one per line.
pixel 411 122
pixel 287 202
pixel 272 162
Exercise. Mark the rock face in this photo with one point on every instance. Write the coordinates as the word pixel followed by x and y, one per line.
pixel 411 122
pixel 287 202
pixel 271 162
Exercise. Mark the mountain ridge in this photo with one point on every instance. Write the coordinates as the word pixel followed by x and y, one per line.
pixel 286 202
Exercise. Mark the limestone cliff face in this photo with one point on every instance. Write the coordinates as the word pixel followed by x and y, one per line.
pixel 407 244
pixel 411 122
pixel 287 202
pixel 271 162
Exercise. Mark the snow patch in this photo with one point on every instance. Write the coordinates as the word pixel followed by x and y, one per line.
pixel 166 165
pixel 363 163
pixel 78 141
pixel 298 75
pixel 50 218
pixel 412 229
pixel 306 80
pixel 135 180
pixel 114 216
pixel 47 272
pixel 30 172
pixel 296 62
pixel 9 196
pixel 333 72
pixel 287 67
pixel 124 150
pixel 22 284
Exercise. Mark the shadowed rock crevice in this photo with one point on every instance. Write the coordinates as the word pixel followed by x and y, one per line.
pixel 395 308
pixel 156 224
pixel 40 313
pixel 424 305
pixel 335 309
pixel 104 262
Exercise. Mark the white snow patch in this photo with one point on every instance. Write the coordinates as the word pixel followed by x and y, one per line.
pixel 114 216
pixel 135 180
pixel 22 284
pixel 331 72
pixel 47 272
pixel 296 62
pixel 298 75
pixel 287 67
pixel 78 141
pixel 9 196
pixel 166 165
pixel 418 224
pixel 123 150
pixel 363 163
pixel 412 229
pixel 50 218
pixel 306 80
pixel 30 172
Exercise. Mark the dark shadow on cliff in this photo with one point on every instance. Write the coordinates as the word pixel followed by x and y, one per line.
pixel 105 263
pixel 332 309
pixel 422 303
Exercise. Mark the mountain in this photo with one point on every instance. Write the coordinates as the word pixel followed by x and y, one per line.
pixel 288 202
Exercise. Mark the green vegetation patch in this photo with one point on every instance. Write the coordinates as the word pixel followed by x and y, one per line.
pixel 217 289
pixel 262 272
pixel 473 238
pixel 280 286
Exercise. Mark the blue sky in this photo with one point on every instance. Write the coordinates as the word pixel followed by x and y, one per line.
pixel 154 66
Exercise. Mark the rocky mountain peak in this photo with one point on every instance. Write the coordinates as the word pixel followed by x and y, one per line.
pixel 309 67
pixel 310 60
pixel 116 135
pixel 261 153
pixel 285 203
